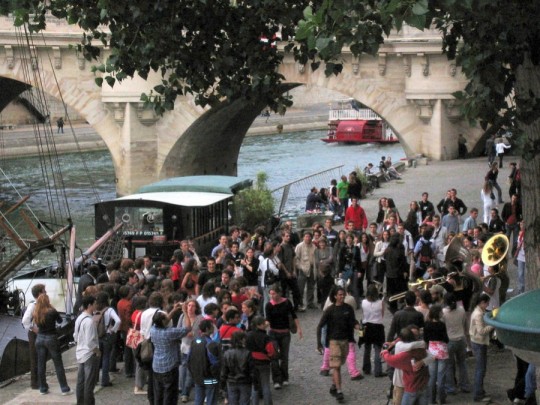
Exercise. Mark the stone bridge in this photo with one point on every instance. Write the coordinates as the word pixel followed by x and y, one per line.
pixel 410 84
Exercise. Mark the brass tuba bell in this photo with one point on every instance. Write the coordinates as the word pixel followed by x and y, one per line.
pixel 457 257
pixel 495 250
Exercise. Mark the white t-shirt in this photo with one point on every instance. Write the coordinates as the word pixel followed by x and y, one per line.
pixel 372 311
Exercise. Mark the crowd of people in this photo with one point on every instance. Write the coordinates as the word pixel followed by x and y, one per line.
pixel 336 197
pixel 222 325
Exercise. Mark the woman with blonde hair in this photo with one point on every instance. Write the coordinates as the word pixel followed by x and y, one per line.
pixel 488 199
pixel 45 318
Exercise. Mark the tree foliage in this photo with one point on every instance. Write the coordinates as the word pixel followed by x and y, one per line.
pixel 214 49
pixel 222 49
pixel 490 40
pixel 254 206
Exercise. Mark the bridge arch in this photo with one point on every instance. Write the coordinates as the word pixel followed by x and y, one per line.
pixel 411 91
pixel 409 83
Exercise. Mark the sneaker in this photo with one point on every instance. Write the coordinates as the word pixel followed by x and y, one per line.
pixel 139 391
pixel 277 386
pixel 302 309
pixel 68 392
pixel 324 373
pixel 43 392
pixel 285 383
pixel 184 398
pixel 380 375
pixel 483 399
pixel 340 397
pixel 357 377
pixel 333 390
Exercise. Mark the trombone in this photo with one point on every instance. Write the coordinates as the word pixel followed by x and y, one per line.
pixel 419 284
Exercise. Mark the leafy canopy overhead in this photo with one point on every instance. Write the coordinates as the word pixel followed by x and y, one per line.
pixel 214 48
pixel 490 40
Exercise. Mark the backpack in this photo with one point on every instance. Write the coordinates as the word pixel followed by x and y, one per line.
pixel 99 320
pixel 426 253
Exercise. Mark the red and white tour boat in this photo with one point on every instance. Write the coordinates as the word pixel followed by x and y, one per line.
pixel 351 122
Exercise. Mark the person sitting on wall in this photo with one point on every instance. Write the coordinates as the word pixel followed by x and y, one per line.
pixel 313 200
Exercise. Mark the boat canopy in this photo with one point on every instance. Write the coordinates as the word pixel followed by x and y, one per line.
pixel 183 198
pixel 203 184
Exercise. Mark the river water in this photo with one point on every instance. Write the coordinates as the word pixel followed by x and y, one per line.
pixel 285 158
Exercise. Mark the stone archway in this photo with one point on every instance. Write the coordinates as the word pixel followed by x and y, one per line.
pixel 410 86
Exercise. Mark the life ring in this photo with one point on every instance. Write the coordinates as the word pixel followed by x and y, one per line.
pixel 126 218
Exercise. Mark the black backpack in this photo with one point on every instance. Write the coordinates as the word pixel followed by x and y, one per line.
pixel 426 253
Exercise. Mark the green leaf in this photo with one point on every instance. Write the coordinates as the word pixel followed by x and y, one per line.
pixel 303 31
pixel 308 13
pixel 416 21
pixel 420 8
pixel 110 80
pixel 322 43
pixel 99 81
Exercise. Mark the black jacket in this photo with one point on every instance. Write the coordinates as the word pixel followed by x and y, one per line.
pixel 204 360
pixel 403 318
pixel 237 366
pixel 260 346
pixel 507 212
pixel 427 208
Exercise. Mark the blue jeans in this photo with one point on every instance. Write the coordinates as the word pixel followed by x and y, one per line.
pixel 166 387
pixel 208 391
pixel 106 344
pixel 185 376
pixel 262 373
pixel 457 354
pixel 530 381
pixel 437 374
pixel 86 380
pixel 521 276
pixel 480 360
pixel 238 394
pixel 366 365
pixel 280 366
pixel 512 235
pixel 48 344
pixel 415 398
pixel 495 185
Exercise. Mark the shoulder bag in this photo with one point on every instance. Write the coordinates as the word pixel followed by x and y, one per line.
pixel 134 336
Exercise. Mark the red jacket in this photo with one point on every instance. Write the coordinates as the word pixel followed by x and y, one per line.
pixel 358 216
pixel 413 381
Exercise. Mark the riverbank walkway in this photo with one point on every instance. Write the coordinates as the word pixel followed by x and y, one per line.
pixel 307 387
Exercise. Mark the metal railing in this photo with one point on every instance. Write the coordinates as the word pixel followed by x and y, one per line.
pixel 351 114
pixel 291 197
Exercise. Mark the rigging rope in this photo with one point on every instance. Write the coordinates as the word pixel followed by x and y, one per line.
pixel 75 138
pixel 49 158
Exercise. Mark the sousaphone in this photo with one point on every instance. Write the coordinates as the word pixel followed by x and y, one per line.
pixel 458 260
pixel 457 257
pixel 495 251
